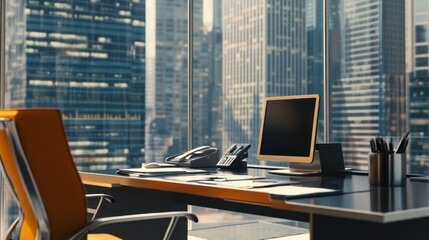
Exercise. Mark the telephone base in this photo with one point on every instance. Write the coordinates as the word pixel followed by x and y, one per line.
pixel 242 165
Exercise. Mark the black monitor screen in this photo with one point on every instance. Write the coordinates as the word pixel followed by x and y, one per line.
pixel 289 127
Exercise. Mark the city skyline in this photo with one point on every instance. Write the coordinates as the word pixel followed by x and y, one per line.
pixel 135 110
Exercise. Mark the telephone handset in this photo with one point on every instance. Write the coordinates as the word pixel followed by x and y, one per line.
pixel 234 157
pixel 204 156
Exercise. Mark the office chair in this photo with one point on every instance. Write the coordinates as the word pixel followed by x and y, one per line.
pixel 38 167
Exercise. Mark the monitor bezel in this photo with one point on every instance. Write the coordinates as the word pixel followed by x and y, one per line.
pixel 298 159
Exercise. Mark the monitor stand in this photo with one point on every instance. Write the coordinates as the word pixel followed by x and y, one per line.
pixel 327 158
pixel 300 169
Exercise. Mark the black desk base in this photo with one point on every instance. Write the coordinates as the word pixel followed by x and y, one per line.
pixel 325 227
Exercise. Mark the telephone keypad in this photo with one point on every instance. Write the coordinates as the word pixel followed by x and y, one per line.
pixel 226 160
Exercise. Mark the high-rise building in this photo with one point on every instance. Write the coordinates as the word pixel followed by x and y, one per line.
pixel 167 84
pixel 264 54
pixel 418 39
pixel 207 78
pixel 314 28
pixel 167 79
pixel 88 59
pixel 368 93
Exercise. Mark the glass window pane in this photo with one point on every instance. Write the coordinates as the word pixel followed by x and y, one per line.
pixel 367 75
pixel 116 69
pixel 422 33
pixel 422 62
pixel 245 51
pixel 421 74
pixel 166 92
pixel 418 89
pixel 422 49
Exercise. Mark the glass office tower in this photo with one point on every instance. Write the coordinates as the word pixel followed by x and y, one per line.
pixel 314 28
pixel 87 58
pixel 166 99
pixel 207 78
pixel 419 85
pixel 368 88
pixel 167 78
pixel 264 54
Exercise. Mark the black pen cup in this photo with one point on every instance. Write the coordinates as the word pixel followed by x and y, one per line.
pixel 387 169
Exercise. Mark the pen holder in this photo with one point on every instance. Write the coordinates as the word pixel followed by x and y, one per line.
pixel 387 169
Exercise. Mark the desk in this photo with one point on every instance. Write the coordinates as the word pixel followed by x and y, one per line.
pixel 359 212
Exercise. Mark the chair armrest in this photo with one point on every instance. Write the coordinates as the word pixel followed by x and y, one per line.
pixel 102 197
pixel 131 218
pixel 108 197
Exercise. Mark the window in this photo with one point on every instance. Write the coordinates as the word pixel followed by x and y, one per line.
pixel 245 51
pixel 422 62
pixel 367 75
pixel 239 60
pixel 422 33
pixel 89 62
pixel 422 50
pixel 119 72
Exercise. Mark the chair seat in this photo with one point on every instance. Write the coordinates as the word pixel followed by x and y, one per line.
pixel 102 236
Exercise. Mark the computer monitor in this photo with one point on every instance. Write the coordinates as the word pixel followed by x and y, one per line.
pixel 288 128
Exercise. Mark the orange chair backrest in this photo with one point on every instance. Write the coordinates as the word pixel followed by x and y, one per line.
pixel 44 143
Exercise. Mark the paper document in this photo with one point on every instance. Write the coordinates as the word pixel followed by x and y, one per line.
pixel 254 183
pixel 157 171
pixel 297 191
pixel 213 177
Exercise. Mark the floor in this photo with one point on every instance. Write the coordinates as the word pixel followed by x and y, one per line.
pixel 251 231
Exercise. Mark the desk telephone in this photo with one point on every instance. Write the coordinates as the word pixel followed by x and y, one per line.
pixel 234 157
pixel 204 156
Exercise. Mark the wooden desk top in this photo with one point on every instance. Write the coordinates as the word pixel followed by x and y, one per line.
pixel 163 184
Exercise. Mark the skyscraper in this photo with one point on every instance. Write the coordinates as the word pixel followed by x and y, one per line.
pixel 264 54
pixel 314 28
pixel 368 93
pixel 419 85
pixel 87 58
pixel 207 79
pixel 167 84
pixel 167 79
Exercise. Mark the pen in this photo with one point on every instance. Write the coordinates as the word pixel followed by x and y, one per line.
pixel 384 148
pixel 372 144
pixel 405 145
pixel 402 144
pixel 391 147
pixel 377 144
